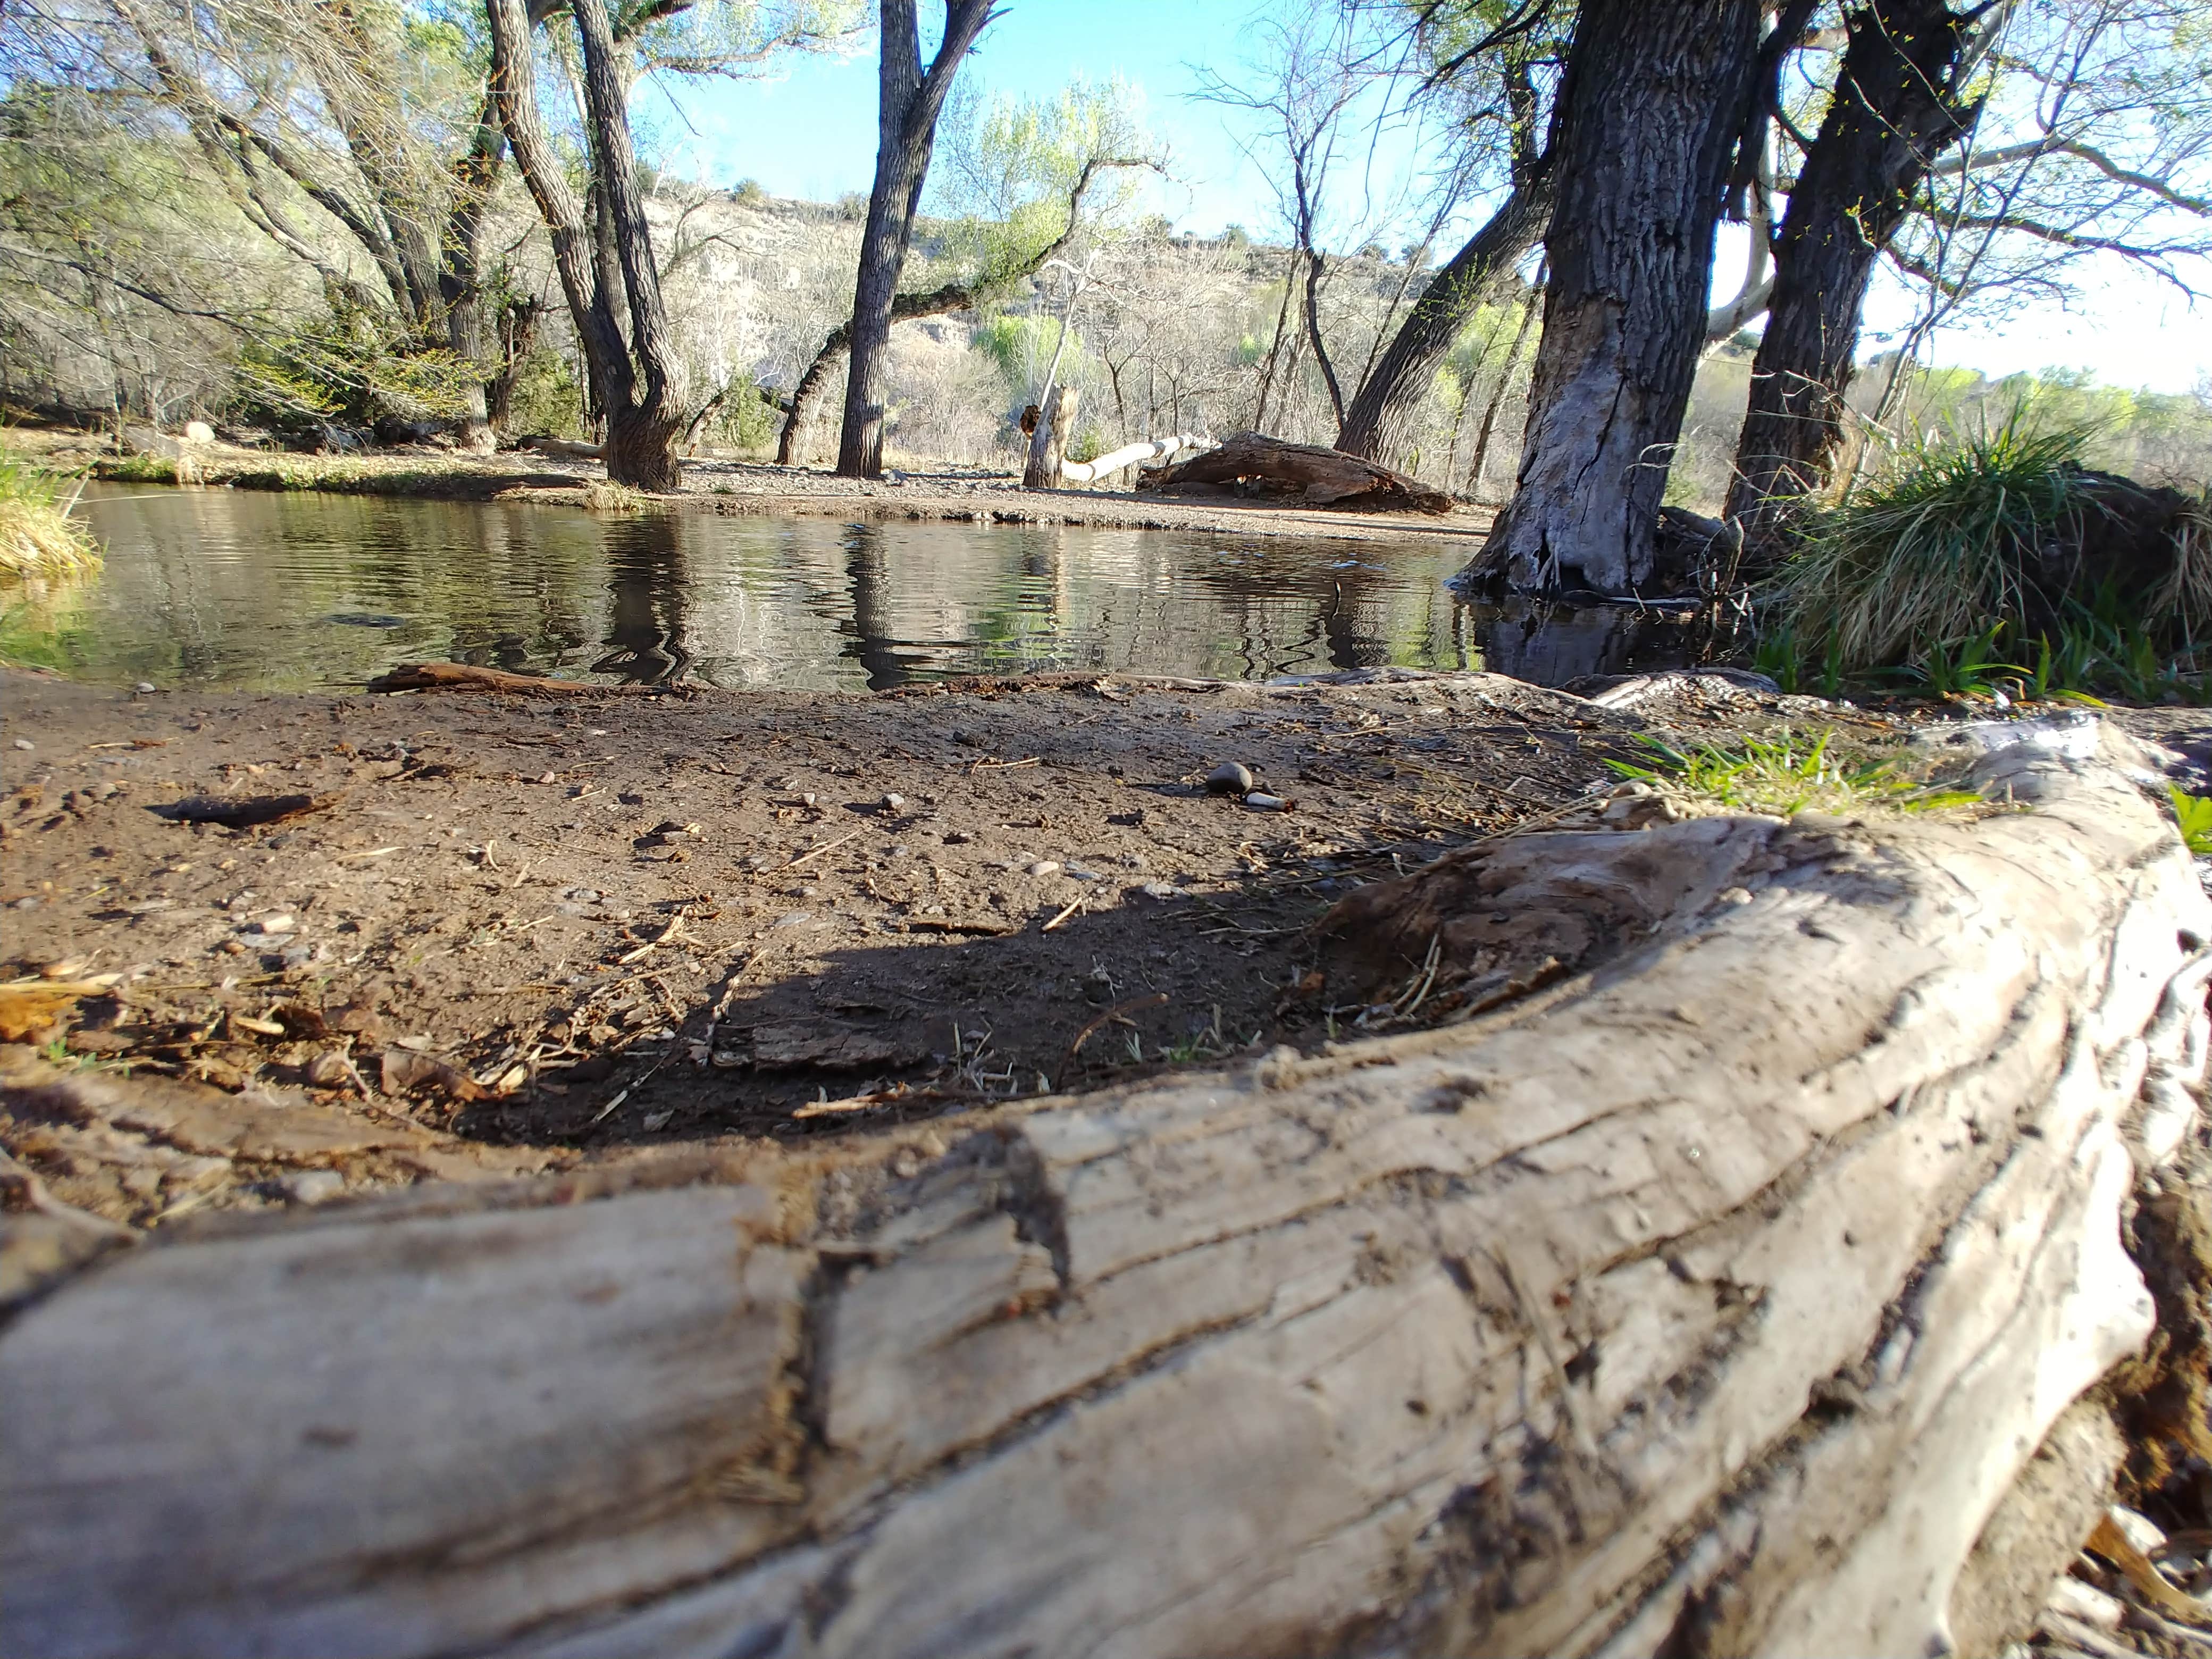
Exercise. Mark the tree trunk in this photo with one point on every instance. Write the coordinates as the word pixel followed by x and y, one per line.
pixel 1049 443
pixel 1896 107
pixel 460 275
pixel 1374 428
pixel 1655 96
pixel 905 128
pixel 643 420
pixel 1707 1300
pixel 641 439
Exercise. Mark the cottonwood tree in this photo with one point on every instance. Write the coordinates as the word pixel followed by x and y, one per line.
pixel 604 256
pixel 1992 153
pixel 910 100
pixel 1902 95
pixel 1655 99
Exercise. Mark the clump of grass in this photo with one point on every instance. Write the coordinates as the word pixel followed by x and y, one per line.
pixel 1940 547
pixel 137 469
pixel 1786 774
pixel 37 538
pixel 603 497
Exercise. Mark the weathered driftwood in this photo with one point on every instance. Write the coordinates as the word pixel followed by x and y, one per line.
pixel 1708 1299
pixel 1253 464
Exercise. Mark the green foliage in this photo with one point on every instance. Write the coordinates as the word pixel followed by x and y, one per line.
pixel 1937 548
pixel 1010 167
pixel 346 367
pixel 748 192
pixel 1967 666
pixel 546 399
pixel 1785 775
pixel 746 419
pixel 1020 346
pixel 2192 816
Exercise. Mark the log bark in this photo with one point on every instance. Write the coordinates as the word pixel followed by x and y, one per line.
pixel 910 101
pixel 1252 464
pixel 1655 99
pixel 1706 1298
pixel 1896 107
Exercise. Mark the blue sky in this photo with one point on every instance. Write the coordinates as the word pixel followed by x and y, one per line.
pixel 808 130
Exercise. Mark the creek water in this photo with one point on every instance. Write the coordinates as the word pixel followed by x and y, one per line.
pixel 240 590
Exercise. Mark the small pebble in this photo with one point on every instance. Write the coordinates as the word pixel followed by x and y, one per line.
pixel 1229 779
pixel 144 687
pixel 894 803
pixel 25 743
pixel 1160 890
pixel 1260 803
pixel 310 1186
pixel 329 1070
pixel 1045 867
pixel 1076 873
pixel 279 923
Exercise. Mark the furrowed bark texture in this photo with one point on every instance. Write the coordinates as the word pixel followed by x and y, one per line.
pixel 910 101
pixel 1705 1300
pixel 1374 428
pixel 1654 100
pixel 1894 110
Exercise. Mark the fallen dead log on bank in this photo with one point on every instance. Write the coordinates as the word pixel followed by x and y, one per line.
pixel 461 677
pixel 1253 466
pixel 1706 1300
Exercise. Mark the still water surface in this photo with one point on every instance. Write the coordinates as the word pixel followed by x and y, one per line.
pixel 237 589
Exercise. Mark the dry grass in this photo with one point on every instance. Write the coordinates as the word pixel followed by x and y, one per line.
pixel 37 538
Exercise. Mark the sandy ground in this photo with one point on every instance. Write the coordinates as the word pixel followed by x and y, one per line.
pixel 556 929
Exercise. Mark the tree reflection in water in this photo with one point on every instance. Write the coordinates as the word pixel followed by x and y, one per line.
pixel 648 586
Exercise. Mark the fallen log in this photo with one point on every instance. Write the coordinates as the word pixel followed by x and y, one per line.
pixel 1707 1298
pixel 461 677
pixel 1149 449
pixel 1252 466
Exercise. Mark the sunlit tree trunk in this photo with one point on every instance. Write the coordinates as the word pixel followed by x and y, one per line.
pixel 906 132
pixel 1655 98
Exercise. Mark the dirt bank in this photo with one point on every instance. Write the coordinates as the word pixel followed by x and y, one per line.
pixel 569 926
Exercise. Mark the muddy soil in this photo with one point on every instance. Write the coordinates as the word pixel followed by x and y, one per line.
pixel 515 932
